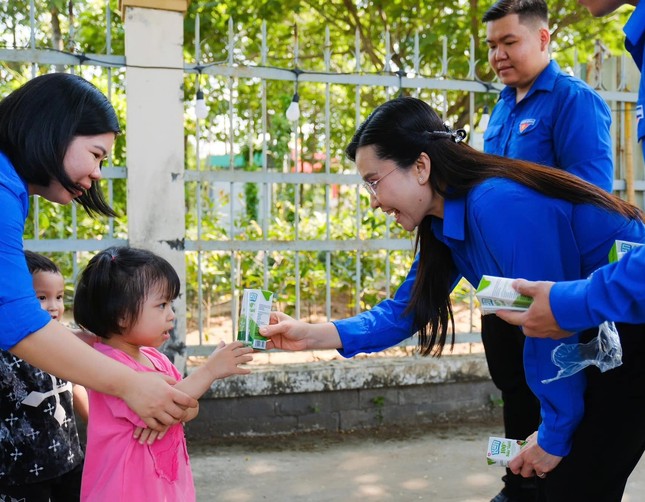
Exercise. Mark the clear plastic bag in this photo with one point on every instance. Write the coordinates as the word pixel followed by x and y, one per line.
pixel 603 351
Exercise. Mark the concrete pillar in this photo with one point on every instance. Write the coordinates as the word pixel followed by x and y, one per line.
pixel 154 38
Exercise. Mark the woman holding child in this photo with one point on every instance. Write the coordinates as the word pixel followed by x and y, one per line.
pixel 55 131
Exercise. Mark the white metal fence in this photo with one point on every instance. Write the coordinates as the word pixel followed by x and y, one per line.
pixel 267 251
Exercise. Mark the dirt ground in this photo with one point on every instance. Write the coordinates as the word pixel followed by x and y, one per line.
pixel 440 463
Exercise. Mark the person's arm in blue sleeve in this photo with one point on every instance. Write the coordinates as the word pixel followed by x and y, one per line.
pixel 381 327
pixel 614 292
pixel 535 240
pixel 20 310
pixel 582 138
pixel 384 325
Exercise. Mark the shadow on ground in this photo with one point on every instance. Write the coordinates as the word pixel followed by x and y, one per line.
pixel 434 463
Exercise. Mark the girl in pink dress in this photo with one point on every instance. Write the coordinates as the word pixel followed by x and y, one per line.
pixel 124 296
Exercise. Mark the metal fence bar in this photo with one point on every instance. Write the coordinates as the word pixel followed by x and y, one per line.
pixel 231 117
pixel 357 119
pixel 388 218
pixel 265 154
pixel 327 55
pixel 198 195
pixel 297 245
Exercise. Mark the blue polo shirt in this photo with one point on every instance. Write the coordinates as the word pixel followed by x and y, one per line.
pixel 561 122
pixel 20 310
pixel 635 44
pixel 536 237
pixel 615 292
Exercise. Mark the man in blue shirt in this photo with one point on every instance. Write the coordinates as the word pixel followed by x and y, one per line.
pixel 546 116
pixel 617 291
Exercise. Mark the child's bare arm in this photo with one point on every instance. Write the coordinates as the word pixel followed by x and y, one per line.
pixel 81 402
pixel 223 362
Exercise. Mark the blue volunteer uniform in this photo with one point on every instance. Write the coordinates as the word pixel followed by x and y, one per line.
pixel 551 125
pixel 561 122
pixel 20 310
pixel 615 292
pixel 635 44
pixel 550 239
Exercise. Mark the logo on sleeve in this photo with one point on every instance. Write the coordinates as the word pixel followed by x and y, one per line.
pixel 525 124
pixel 639 113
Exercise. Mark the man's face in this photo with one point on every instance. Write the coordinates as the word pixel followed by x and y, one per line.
pixel 517 52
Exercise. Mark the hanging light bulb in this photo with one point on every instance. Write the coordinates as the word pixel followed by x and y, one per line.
pixel 293 112
pixel 201 110
pixel 483 122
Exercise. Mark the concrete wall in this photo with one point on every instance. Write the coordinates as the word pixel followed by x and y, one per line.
pixel 348 395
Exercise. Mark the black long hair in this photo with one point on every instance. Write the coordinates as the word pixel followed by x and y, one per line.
pixel 39 120
pixel 114 286
pixel 400 130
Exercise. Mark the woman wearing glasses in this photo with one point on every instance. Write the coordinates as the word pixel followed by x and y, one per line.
pixel 479 214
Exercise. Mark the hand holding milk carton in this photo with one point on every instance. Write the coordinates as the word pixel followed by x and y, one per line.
pixel 255 311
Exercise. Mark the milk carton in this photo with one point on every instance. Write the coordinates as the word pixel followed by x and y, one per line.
pixel 619 249
pixel 254 312
pixel 496 293
pixel 502 450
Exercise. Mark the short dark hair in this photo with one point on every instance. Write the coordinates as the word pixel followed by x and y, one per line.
pixel 39 263
pixel 39 120
pixel 525 9
pixel 114 286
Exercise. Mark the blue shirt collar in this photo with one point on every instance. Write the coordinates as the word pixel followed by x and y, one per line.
pixel 544 82
pixel 454 218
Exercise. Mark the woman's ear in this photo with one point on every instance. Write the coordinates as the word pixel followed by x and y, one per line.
pixel 423 167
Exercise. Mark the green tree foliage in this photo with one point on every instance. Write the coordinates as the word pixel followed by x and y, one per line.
pixel 326 33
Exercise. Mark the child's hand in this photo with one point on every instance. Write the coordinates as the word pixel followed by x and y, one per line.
pixel 225 359
pixel 145 435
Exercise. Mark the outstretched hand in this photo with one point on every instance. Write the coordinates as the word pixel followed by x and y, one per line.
pixel 226 359
pixel 538 320
pixel 285 332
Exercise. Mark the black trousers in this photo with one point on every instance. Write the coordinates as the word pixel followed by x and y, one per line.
pixel 504 346
pixel 610 440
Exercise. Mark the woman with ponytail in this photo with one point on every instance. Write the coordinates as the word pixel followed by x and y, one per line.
pixel 478 214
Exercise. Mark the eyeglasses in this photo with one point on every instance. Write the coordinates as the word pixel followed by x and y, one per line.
pixel 370 186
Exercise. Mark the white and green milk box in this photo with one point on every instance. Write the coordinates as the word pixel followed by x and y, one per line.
pixel 502 450
pixel 619 249
pixel 255 311
pixel 496 293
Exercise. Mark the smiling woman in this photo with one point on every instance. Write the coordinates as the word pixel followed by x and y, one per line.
pixel 54 132
pixel 478 214
pixel 82 164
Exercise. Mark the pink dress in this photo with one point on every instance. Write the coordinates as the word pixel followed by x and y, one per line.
pixel 117 467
